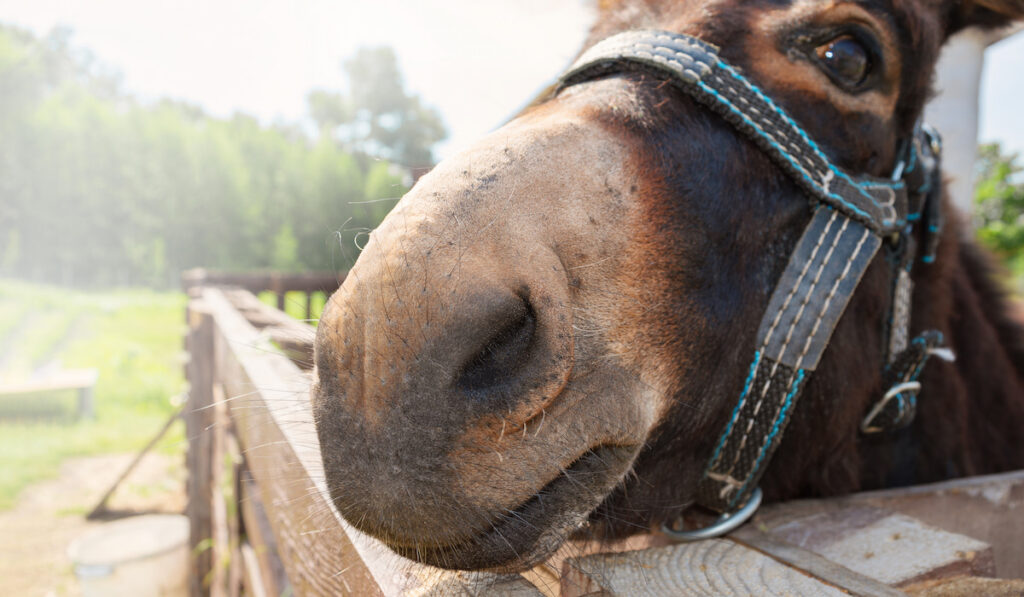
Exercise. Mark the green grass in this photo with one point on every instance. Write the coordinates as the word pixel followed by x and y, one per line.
pixel 35 346
pixel 134 339
pixel 295 304
pixel 11 314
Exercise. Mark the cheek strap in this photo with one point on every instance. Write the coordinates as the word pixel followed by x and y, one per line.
pixel 853 215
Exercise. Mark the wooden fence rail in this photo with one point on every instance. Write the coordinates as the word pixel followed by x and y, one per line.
pixel 263 523
pixel 279 283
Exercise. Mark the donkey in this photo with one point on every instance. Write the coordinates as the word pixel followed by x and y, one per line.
pixel 547 336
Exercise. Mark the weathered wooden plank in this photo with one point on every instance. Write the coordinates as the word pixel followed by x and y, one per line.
pixel 220 548
pixel 987 508
pixel 968 586
pixel 198 422
pixel 268 396
pixel 712 568
pixel 260 314
pixel 67 379
pixel 81 380
pixel 276 282
pixel 824 569
pixel 892 548
pixel 258 534
pixel 293 337
pixel 233 454
pixel 253 578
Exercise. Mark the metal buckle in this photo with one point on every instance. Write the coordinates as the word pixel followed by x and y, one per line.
pixel 726 523
pixel 934 138
pixel 865 425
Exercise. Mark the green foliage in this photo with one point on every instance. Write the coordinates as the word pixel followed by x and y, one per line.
pixel 999 205
pixel 295 304
pixel 97 188
pixel 286 250
pixel 378 116
pixel 133 338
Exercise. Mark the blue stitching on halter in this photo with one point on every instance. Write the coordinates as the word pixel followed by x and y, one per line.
pixel 879 184
pixel 821 154
pixel 757 129
pixel 771 436
pixel 736 409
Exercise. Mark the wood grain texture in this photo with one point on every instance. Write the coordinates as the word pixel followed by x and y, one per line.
pixel 822 568
pixel 199 458
pixel 712 568
pixel 267 396
pixel 256 528
pixel 987 508
pixel 294 338
pixel 893 548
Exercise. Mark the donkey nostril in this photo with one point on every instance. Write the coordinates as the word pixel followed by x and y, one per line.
pixel 504 353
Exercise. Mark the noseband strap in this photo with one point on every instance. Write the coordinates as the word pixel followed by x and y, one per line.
pixel 853 215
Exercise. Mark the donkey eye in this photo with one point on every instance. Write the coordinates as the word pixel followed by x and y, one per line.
pixel 845 60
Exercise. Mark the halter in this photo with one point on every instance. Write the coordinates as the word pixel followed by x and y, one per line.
pixel 854 217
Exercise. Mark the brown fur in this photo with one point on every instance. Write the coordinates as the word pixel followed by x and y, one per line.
pixel 551 328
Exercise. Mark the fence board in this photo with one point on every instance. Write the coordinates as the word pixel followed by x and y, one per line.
pixel 267 397
pixel 199 459
pixel 712 568
pixel 257 531
pixel 987 508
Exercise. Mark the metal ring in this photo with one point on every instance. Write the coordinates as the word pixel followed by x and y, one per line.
pixel 934 139
pixel 725 523
pixel 901 387
pixel 866 425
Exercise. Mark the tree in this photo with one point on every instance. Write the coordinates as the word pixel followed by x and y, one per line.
pixel 999 205
pixel 378 117
pixel 97 188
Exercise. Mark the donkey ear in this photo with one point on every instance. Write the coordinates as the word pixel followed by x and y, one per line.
pixel 987 14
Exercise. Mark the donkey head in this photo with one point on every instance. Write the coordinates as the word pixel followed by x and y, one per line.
pixel 549 331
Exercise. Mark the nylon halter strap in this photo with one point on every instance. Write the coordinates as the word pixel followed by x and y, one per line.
pixel 853 215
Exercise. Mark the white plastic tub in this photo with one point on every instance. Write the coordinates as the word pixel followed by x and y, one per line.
pixel 142 556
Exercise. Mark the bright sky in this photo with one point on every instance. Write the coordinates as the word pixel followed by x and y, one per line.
pixel 477 61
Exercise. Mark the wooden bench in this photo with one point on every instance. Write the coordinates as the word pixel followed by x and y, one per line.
pixel 81 380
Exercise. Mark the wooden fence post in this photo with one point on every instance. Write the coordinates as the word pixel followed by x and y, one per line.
pixel 199 419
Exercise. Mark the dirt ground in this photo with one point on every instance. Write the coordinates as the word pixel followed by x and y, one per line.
pixel 35 534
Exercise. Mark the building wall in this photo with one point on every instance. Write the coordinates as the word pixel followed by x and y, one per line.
pixel 954 111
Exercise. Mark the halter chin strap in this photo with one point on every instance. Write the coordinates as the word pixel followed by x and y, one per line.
pixel 854 215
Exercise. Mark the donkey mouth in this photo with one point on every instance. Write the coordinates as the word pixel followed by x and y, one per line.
pixel 520 538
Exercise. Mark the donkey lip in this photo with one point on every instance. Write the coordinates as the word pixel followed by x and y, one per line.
pixel 520 538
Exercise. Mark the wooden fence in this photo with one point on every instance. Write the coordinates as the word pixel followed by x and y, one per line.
pixel 263 524
pixel 279 283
